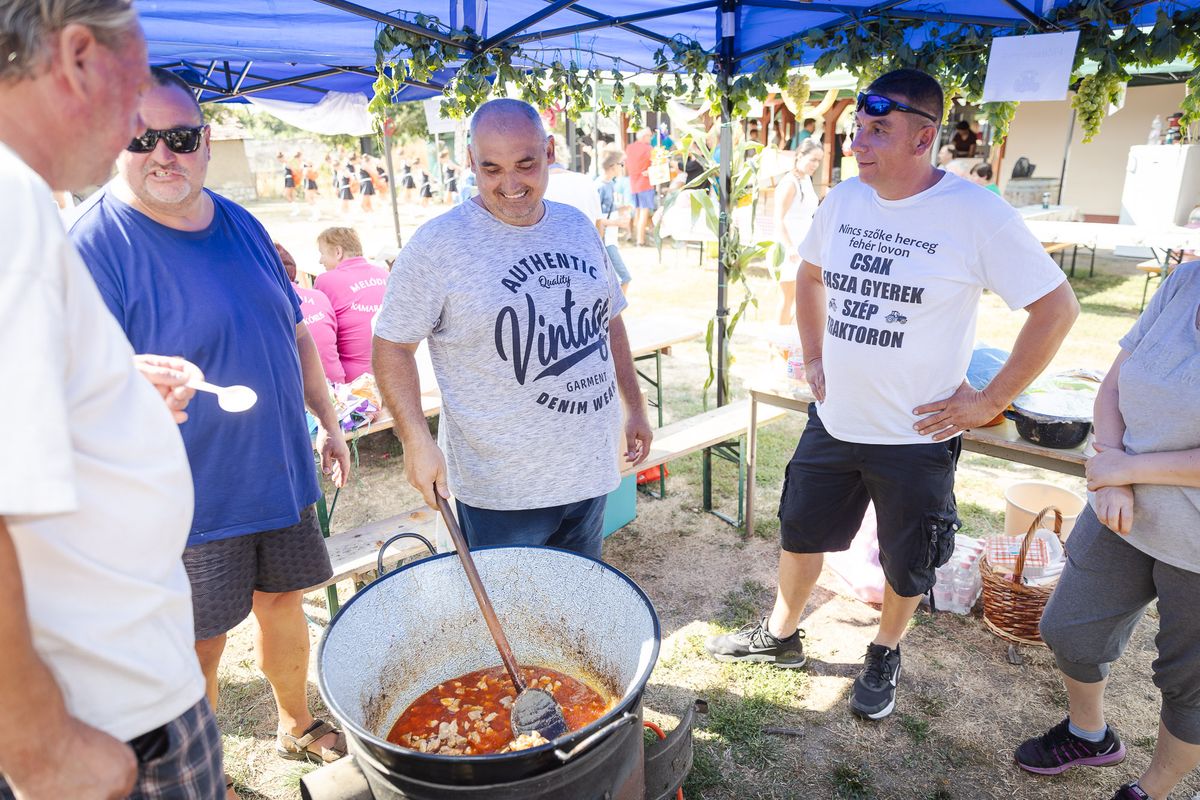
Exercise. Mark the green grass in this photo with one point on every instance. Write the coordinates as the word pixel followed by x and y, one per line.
pixel 744 605
pixel 915 727
pixel 852 782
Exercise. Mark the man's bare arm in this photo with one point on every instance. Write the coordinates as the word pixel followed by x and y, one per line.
pixel 55 755
pixel 399 382
pixel 1050 319
pixel 810 320
pixel 331 443
pixel 638 432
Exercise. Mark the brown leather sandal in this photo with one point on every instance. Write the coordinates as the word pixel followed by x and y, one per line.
pixel 298 748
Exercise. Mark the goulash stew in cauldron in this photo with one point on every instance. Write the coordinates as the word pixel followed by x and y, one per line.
pixel 469 715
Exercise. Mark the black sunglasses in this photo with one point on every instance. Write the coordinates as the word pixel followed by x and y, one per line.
pixel 876 105
pixel 177 140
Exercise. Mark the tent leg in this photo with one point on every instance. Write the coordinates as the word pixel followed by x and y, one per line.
pixel 1062 175
pixel 725 70
pixel 392 187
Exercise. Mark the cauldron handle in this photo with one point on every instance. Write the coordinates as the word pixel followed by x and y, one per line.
pixel 379 558
pixel 565 756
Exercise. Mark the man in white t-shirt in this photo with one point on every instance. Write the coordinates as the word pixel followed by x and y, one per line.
pixel 575 189
pixel 100 694
pixel 522 313
pixel 887 296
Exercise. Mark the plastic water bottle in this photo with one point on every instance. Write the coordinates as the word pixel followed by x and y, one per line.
pixel 1155 136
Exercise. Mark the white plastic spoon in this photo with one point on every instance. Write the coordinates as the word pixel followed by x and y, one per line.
pixel 230 398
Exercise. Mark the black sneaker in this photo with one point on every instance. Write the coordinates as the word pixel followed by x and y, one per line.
pixel 1131 791
pixel 874 694
pixel 755 643
pixel 1057 750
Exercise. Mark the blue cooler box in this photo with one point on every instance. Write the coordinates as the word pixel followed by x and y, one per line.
pixel 621 506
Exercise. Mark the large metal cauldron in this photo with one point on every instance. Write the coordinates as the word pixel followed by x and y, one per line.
pixel 419 626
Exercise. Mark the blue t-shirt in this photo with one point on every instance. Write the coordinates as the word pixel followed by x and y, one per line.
pixel 221 299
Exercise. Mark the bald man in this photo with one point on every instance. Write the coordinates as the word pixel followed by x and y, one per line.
pixel 520 306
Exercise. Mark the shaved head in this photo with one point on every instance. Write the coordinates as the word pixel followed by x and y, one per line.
pixel 509 117
pixel 510 154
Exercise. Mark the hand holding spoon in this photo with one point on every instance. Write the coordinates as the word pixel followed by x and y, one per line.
pixel 230 398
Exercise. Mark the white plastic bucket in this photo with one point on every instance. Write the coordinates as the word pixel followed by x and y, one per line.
pixel 1025 499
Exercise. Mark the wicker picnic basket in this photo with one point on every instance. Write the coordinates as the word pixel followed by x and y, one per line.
pixel 1011 609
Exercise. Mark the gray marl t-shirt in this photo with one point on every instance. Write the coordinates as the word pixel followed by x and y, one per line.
pixel 517 322
pixel 1159 391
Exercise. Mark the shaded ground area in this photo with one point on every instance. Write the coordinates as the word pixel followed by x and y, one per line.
pixel 962 706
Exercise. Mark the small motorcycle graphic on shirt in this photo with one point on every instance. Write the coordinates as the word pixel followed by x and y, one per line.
pixel 833 305
pixel 896 316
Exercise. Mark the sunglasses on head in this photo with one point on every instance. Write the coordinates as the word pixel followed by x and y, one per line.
pixel 876 105
pixel 177 140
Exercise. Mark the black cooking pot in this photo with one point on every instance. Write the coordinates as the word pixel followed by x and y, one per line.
pixel 1062 433
pixel 420 626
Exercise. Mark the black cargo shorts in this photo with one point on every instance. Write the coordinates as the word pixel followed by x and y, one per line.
pixel 829 483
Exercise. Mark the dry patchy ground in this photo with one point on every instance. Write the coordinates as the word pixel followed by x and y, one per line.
pixel 962 706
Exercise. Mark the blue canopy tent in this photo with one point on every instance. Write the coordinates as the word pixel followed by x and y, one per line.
pixel 300 49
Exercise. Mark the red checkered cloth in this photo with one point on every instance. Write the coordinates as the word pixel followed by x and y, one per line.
pixel 1003 551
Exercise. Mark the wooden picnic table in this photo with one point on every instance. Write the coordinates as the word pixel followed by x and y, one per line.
pixel 1000 441
pixel 1103 235
pixel 1054 213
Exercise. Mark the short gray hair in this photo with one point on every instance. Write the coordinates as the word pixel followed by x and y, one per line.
pixel 27 25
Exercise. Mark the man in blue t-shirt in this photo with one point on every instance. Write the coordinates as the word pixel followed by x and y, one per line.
pixel 187 271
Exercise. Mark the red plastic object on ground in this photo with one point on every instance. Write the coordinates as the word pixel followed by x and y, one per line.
pixel 653 474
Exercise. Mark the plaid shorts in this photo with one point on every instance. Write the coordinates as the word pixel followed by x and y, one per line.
pixel 189 766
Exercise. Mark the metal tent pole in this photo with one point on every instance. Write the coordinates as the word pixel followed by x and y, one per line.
pixel 392 187
pixel 727 27
pixel 1062 175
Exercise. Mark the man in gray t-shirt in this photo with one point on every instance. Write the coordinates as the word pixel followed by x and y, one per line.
pixel 521 310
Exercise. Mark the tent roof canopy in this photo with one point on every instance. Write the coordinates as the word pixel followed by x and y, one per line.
pixel 299 49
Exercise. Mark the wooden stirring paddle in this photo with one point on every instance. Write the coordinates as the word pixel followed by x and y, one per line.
pixel 534 709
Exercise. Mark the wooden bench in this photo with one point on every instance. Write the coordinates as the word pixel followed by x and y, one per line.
pixel 1059 249
pixel 1152 268
pixel 354 553
pixel 702 431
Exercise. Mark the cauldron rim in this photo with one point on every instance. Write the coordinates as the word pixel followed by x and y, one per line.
pixel 487 758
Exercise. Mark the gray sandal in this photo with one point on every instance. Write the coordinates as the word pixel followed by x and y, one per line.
pixel 297 748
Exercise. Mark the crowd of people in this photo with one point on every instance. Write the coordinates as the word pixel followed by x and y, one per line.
pixel 140 523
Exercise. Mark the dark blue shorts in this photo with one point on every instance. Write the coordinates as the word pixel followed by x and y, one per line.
pixel 578 527
pixel 647 199
pixel 829 483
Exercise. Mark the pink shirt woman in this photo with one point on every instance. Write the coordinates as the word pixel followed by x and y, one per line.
pixel 355 289
pixel 322 326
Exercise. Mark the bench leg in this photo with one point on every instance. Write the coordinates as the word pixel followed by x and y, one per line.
pixel 1145 290
pixel 331 595
pixel 657 402
pixel 751 467
pixel 733 451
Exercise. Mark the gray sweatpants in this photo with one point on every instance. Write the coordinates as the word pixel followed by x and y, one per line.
pixel 1105 588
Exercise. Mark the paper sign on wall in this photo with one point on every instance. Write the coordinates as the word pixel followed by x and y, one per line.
pixel 1035 67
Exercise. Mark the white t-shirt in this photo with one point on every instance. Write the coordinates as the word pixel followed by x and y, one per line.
pixel 576 190
pixel 903 280
pixel 517 320
pixel 799 214
pixel 96 489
